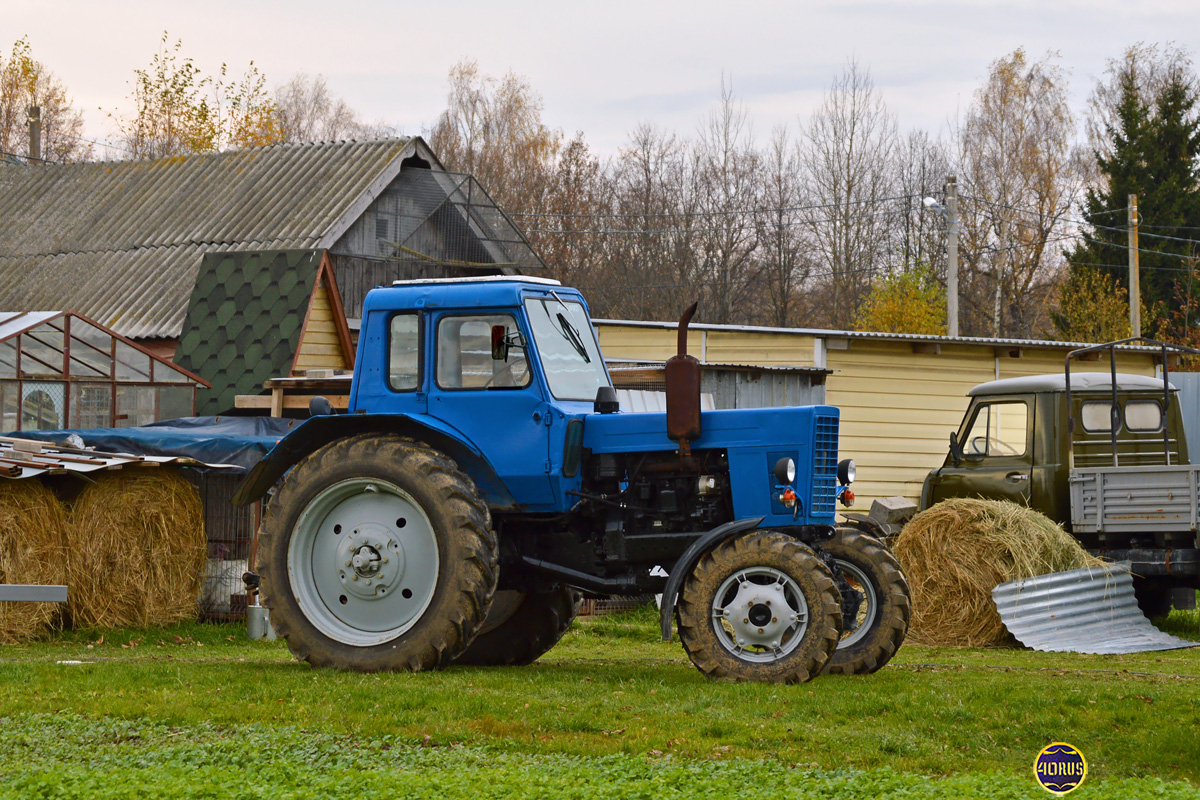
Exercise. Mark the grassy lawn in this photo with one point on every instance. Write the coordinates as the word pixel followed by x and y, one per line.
pixel 199 711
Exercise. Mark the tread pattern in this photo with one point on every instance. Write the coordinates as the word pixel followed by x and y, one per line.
pixel 470 553
pixel 891 590
pixel 760 548
pixel 541 620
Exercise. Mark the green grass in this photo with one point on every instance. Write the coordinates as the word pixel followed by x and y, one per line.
pixel 611 711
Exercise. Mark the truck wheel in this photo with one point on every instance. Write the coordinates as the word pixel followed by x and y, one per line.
pixel 877 593
pixel 377 554
pixel 760 607
pixel 521 627
pixel 1153 600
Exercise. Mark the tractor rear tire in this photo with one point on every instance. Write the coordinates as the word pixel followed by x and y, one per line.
pixel 873 637
pixel 377 553
pixel 521 627
pixel 788 610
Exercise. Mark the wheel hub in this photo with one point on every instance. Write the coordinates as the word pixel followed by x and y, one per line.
pixel 370 561
pixel 759 614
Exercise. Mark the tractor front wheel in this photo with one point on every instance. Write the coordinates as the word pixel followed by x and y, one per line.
pixel 875 602
pixel 377 554
pixel 760 607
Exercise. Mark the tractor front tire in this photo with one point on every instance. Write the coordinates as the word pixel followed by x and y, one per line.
pixel 377 553
pixel 760 607
pixel 881 598
pixel 521 627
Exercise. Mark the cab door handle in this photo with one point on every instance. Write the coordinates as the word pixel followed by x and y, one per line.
pixel 1017 477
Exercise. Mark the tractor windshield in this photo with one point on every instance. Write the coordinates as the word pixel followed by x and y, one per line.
pixel 567 347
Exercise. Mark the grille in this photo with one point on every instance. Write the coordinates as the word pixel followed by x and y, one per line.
pixel 825 452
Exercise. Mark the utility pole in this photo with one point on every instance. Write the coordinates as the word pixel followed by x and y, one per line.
pixel 952 256
pixel 1135 278
pixel 35 133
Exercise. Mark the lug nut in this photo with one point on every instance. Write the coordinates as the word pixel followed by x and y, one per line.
pixel 774 619
pixel 760 630
pixel 746 620
pixel 353 577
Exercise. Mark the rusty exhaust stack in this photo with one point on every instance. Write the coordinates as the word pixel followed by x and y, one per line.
pixel 683 391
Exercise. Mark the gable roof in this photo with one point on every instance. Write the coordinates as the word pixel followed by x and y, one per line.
pixel 122 241
pixel 242 323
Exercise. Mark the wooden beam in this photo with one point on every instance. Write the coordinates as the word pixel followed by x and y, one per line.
pixel 289 402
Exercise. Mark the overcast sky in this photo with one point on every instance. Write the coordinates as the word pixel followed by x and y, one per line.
pixel 601 67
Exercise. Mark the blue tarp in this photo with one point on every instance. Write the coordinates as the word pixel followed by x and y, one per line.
pixel 241 441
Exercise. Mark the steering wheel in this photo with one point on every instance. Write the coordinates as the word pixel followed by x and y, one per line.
pixel 1003 448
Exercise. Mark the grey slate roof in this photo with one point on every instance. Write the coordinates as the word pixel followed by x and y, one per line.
pixel 122 241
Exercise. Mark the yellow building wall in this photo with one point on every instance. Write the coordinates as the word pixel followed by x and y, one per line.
pixel 320 347
pixel 897 406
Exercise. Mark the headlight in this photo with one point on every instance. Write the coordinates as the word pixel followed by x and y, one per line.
pixel 846 471
pixel 785 471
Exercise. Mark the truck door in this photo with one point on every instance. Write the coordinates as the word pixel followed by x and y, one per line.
pixel 495 403
pixel 997 444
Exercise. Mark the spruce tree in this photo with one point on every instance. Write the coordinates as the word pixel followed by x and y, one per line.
pixel 1155 144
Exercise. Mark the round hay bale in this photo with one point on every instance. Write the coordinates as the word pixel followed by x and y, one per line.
pixel 135 550
pixel 956 552
pixel 32 525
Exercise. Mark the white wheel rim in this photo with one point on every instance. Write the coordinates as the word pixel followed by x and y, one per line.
pixel 363 562
pixel 759 615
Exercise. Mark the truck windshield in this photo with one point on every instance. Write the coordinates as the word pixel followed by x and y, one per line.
pixel 567 347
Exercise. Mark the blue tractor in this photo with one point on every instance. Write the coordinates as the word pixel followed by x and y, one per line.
pixel 485 474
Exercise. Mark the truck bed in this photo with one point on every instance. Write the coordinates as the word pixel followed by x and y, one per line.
pixel 1135 499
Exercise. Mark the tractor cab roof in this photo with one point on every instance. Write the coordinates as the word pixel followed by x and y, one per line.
pixel 485 291
pixel 1083 382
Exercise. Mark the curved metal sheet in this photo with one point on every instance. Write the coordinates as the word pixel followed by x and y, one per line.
pixel 1090 610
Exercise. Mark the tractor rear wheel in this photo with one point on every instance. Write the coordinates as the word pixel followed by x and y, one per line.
pixel 377 554
pixel 521 627
pixel 875 602
pixel 760 607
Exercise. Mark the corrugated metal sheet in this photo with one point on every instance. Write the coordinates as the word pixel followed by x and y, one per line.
pixel 26 458
pixel 121 241
pixel 1089 610
pixel 1189 400
pixel 877 336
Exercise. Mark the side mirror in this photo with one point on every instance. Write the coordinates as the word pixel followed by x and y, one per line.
pixel 499 343
pixel 956 451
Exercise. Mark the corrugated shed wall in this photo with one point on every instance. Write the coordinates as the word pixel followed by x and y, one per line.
pixel 1188 384
pixel 898 406
pixel 766 389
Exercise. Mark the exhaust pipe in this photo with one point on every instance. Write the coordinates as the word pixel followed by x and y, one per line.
pixel 683 391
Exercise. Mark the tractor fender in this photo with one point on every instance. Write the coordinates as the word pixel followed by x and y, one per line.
pixel 318 431
pixel 686 562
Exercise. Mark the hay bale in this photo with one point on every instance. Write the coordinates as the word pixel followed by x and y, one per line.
pixel 32 525
pixel 956 552
pixel 135 550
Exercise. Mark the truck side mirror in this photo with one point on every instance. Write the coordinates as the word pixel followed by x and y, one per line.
pixel 499 343
pixel 956 451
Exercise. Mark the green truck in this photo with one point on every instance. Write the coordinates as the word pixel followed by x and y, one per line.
pixel 1103 454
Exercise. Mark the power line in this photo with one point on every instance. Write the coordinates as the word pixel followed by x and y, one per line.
pixel 729 212
pixel 729 229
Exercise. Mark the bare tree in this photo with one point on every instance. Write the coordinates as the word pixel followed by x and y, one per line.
pixel 922 164
pixel 494 130
pixel 25 82
pixel 784 266
pixel 728 185
pixel 309 112
pixel 1021 176
pixel 847 156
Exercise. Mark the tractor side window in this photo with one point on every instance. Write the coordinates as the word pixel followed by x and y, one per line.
pixel 998 429
pixel 464 353
pixel 1143 416
pixel 404 353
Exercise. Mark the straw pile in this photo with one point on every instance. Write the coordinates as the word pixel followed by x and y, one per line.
pixel 32 526
pixel 956 552
pixel 136 550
